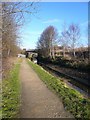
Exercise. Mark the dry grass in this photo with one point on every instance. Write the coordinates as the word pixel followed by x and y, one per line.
pixel 7 64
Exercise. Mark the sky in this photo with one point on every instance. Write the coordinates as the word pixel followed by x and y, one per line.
pixel 56 14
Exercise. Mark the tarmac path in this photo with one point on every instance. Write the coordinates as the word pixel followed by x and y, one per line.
pixel 37 100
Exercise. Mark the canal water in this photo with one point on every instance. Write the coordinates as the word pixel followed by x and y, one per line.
pixel 83 89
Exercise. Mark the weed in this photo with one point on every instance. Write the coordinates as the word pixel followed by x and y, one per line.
pixel 11 93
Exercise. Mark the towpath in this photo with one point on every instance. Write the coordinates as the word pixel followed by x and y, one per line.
pixel 37 100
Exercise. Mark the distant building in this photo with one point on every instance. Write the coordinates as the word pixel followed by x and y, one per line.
pixel 57 51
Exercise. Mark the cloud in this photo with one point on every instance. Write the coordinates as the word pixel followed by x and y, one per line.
pixel 34 33
pixel 83 40
pixel 51 21
pixel 84 24
pixel 31 33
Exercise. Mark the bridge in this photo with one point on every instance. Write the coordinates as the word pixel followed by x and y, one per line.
pixel 31 52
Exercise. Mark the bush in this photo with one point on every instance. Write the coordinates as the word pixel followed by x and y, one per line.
pixel 82 65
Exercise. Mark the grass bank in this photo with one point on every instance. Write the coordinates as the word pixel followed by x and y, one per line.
pixel 73 101
pixel 11 93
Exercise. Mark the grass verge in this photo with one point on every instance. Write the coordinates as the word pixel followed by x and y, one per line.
pixel 11 93
pixel 73 101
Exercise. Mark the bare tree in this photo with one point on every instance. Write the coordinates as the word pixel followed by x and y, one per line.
pixel 64 39
pixel 13 17
pixel 0 46
pixel 89 35
pixel 47 41
pixel 74 36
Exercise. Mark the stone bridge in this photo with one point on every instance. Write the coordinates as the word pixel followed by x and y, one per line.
pixel 31 53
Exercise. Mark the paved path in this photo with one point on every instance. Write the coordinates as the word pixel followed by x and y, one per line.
pixel 37 100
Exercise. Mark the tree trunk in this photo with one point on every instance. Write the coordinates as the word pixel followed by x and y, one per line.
pixel 74 53
pixel 53 56
pixel 8 52
pixel 63 51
